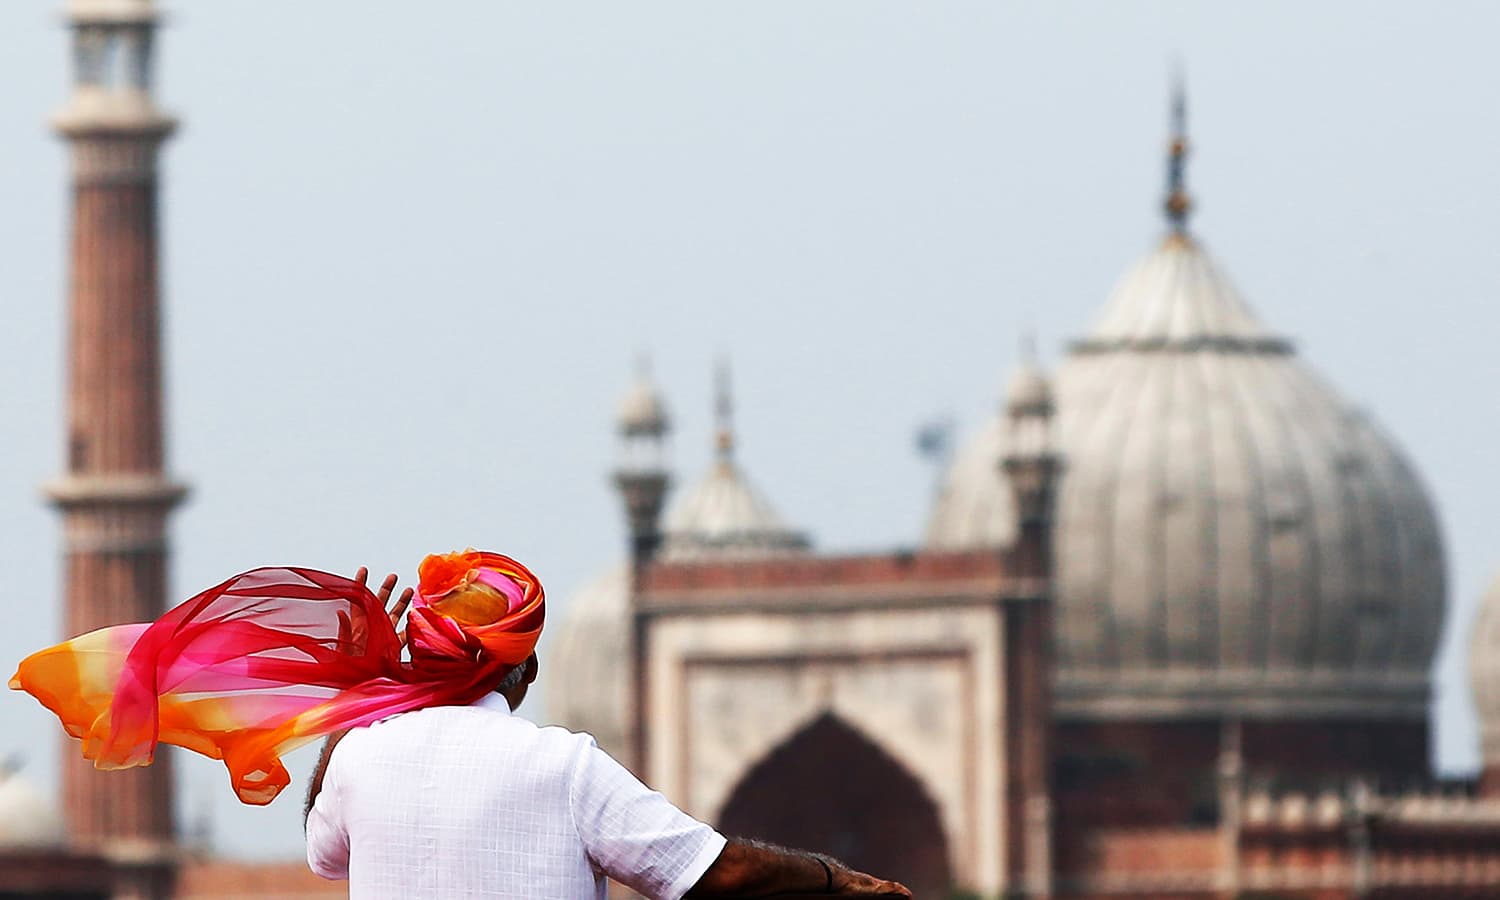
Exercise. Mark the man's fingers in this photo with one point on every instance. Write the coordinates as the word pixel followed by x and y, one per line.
pixel 386 586
pixel 402 603
pixel 862 885
pixel 361 574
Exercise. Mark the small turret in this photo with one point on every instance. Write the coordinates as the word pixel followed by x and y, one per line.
pixel 112 73
pixel 642 476
pixel 1030 462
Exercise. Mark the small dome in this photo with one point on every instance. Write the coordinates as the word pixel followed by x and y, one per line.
pixel 586 674
pixel 1484 672
pixel 642 409
pixel 974 506
pixel 27 816
pixel 1230 534
pixel 723 516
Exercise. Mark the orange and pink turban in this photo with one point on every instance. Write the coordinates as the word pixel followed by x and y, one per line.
pixel 275 658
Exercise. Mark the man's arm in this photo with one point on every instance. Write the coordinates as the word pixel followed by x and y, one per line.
pixel 322 820
pixel 747 869
pixel 322 768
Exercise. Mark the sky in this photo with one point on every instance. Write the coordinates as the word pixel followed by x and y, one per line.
pixel 412 251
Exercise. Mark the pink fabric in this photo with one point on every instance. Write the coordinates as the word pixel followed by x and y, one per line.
pixel 275 658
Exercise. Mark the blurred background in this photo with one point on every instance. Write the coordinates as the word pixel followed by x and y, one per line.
pixel 412 253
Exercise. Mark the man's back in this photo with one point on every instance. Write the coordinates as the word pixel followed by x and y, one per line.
pixel 474 802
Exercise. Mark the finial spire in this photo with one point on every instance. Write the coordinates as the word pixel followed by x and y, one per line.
pixel 723 411
pixel 1178 204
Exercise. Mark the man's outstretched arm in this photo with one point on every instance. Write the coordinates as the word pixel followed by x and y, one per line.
pixel 747 869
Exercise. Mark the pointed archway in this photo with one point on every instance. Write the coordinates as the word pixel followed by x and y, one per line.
pixel 829 788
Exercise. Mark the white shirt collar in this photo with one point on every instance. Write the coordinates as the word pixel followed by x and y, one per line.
pixel 493 701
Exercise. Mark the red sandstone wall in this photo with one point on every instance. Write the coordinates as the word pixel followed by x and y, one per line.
pixel 1395 752
pixel 1137 774
pixel 822 571
pixel 1117 850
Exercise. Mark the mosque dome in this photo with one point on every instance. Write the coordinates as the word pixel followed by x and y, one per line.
pixel 1484 673
pixel 974 506
pixel 585 669
pixel 1231 535
pixel 27 817
pixel 723 516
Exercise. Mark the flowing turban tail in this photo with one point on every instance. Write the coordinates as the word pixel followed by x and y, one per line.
pixel 275 658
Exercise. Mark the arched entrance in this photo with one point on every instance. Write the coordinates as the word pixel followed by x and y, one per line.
pixel 828 788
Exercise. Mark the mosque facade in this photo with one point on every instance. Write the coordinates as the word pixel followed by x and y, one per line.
pixel 1169 633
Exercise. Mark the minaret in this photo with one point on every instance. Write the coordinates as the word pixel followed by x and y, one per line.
pixel 642 477
pixel 115 497
pixel 1032 467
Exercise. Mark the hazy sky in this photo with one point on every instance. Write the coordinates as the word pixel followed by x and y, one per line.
pixel 413 248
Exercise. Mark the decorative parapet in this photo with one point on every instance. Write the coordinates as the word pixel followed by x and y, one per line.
pixel 1294 811
pixel 1437 809
pixel 834 581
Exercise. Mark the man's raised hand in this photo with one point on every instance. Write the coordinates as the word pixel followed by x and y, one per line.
pixel 383 594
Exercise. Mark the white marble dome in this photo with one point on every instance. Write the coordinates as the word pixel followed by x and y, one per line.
pixel 1232 536
pixel 28 818
pixel 585 672
pixel 723 516
pixel 1484 672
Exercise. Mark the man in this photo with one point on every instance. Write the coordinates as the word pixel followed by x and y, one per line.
pixel 473 801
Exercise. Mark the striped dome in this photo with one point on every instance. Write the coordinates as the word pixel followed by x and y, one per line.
pixel 1231 535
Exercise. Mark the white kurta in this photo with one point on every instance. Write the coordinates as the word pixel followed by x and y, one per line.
pixel 471 801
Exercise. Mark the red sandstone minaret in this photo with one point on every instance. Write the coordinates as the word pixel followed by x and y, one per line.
pixel 115 497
